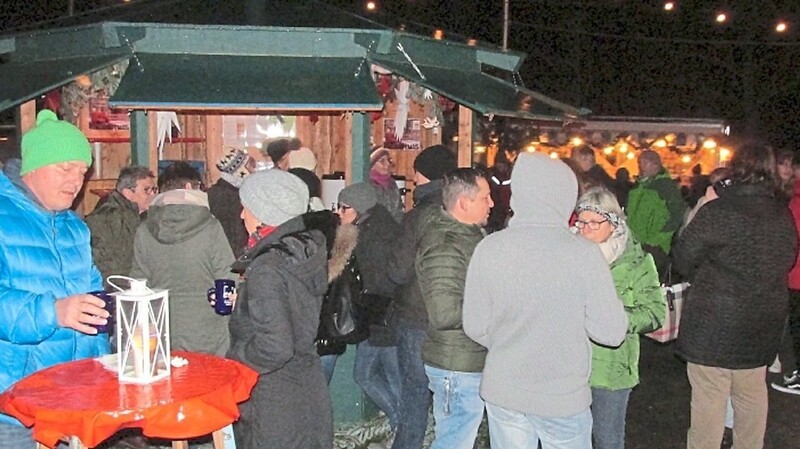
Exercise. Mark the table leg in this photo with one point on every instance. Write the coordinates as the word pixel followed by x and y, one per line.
pixel 223 438
pixel 180 444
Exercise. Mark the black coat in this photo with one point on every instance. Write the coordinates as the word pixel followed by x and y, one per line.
pixel 737 252
pixel 272 331
pixel 225 205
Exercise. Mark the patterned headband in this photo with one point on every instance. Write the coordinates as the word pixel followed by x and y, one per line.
pixel 615 219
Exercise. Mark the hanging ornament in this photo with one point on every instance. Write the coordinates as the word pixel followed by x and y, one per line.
pixel 401 94
pixel 165 120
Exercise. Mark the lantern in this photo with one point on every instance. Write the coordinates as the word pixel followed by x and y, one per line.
pixel 142 333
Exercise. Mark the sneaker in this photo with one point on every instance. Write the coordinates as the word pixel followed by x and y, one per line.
pixel 792 386
pixel 775 368
pixel 791 377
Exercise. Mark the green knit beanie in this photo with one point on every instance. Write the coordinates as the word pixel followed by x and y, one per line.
pixel 53 141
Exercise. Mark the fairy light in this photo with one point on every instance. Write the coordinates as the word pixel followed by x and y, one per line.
pixel 480 148
pixel 724 154
pixel 553 155
pixel 531 148
pixel 608 150
pixel 669 6
pixel 721 17
pixel 576 141
pixel 623 148
pixel 709 144
pixel 781 27
pixel 371 6
pixel 631 155
pixel 438 34
pixel 660 143
pixel 686 159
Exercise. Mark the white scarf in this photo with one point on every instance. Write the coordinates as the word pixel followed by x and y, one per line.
pixel 615 245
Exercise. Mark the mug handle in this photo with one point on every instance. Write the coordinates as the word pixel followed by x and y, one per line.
pixel 211 296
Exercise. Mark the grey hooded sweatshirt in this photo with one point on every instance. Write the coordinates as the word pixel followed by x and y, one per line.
pixel 536 318
pixel 182 247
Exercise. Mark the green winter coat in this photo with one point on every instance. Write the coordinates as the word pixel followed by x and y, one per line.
pixel 445 249
pixel 113 224
pixel 636 281
pixel 655 210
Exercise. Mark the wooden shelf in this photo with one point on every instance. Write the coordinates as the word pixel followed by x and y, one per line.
pixel 126 139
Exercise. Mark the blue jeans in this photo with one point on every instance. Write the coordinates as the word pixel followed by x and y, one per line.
pixel 328 365
pixel 511 429
pixel 377 373
pixel 457 407
pixel 415 398
pixel 16 437
pixel 608 413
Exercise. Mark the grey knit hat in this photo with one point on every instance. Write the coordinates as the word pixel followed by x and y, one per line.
pixel 360 196
pixel 274 196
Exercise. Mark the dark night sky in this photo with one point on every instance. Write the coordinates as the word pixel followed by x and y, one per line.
pixel 615 57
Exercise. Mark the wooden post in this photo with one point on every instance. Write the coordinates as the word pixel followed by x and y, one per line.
pixel 465 117
pixel 140 138
pixel 214 150
pixel 26 118
pixel 359 154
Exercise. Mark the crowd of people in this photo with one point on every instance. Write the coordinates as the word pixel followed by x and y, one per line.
pixel 547 350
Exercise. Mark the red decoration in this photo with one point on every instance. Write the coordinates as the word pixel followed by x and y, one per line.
pixel 313 118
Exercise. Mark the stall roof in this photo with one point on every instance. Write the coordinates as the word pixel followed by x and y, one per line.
pixel 200 54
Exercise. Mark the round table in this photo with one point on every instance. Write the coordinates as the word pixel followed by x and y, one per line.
pixel 83 399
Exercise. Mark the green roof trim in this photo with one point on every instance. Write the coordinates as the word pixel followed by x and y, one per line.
pixel 182 81
pixel 22 81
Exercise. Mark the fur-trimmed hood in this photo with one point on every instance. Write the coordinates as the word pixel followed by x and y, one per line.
pixel 344 243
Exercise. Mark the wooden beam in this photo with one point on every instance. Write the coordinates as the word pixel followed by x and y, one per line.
pixel 26 117
pixel 140 139
pixel 359 154
pixel 465 117
pixel 214 149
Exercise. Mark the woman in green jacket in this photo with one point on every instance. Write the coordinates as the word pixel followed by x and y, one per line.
pixel 615 371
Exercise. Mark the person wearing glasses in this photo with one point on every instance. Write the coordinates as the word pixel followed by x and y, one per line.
pixel 380 175
pixel 615 370
pixel 114 221
pixel 182 247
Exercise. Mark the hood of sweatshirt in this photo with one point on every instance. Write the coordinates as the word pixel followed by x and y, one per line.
pixel 543 191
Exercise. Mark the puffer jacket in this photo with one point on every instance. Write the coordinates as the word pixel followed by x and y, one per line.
pixel 113 224
pixel 409 308
pixel 43 256
pixel 636 281
pixel 737 252
pixel 445 249
pixel 272 331
pixel 181 247
pixel 225 205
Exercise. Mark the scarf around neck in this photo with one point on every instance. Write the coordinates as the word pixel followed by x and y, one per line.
pixel 384 181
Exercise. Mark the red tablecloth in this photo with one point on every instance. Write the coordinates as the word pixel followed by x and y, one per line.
pixel 86 400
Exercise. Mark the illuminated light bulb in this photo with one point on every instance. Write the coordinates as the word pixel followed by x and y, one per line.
pixel 472 42
pixel 660 143
pixel 724 154
pixel 576 141
pixel 438 35
pixel 708 144
pixel 480 149
pixel 553 155
pixel 608 150
pixel 531 148
pixel 669 6
pixel 630 155
pixel 686 159
pixel 721 17
pixel 623 148
pixel 781 27
pixel 371 6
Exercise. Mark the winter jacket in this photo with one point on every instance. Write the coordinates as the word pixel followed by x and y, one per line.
pixel 376 234
pixel 536 318
pixel 409 308
pixel 794 207
pixel 737 252
pixel 181 247
pixel 390 198
pixel 445 249
pixel 225 205
pixel 113 224
pixel 272 331
pixel 655 210
pixel 636 281
pixel 44 256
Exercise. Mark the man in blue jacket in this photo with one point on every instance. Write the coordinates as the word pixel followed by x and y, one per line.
pixel 46 266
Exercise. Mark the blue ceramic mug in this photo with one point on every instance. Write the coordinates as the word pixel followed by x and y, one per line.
pixel 222 289
pixel 110 306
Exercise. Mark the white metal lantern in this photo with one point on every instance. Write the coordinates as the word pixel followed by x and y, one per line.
pixel 142 333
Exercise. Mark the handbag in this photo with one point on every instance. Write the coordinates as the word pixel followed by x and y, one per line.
pixel 341 317
pixel 674 295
